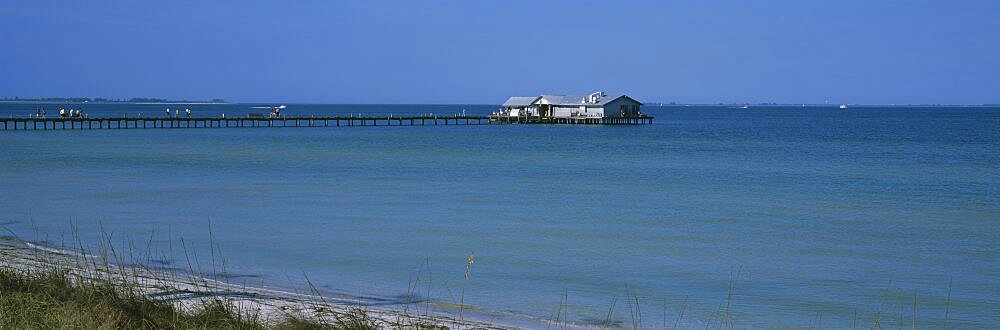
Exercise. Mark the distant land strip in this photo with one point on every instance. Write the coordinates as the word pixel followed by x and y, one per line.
pixel 106 100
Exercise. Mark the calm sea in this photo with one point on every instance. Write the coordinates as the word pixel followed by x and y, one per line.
pixel 791 217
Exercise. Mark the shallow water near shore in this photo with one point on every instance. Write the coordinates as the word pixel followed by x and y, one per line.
pixel 823 213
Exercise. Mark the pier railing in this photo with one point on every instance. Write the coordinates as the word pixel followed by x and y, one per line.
pixel 124 122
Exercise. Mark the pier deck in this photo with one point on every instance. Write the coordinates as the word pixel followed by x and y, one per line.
pixel 31 123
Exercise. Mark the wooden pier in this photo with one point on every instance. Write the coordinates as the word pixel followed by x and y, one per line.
pixel 32 123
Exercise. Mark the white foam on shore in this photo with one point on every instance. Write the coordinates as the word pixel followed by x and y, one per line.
pixel 50 249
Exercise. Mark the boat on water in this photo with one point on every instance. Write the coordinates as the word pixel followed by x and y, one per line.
pixel 843 106
pixel 272 107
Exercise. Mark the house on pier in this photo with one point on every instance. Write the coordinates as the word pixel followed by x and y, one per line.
pixel 596 105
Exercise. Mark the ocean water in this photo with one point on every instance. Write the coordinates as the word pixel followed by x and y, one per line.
pixel 791 217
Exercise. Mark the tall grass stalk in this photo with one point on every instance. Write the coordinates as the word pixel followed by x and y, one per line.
pixel 947 306
pixel 468 272
pixel 680 314
pixel 562 317
pixel 611 313
pixel 878 312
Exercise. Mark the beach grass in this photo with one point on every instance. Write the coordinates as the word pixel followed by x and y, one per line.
pixel 45 290
pixel 53 299
pixel 112 286
pixel 57 300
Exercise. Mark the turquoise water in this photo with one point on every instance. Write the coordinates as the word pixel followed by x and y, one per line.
pixel 824 213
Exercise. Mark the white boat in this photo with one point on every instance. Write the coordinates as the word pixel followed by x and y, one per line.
pixel 279 107
pixel 843 106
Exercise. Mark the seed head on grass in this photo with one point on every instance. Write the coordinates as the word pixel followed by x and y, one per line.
pixel 468 265
pixel 468 273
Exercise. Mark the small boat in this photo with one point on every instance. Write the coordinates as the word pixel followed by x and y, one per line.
pixel 843 106
pixel 272 107
pixel 744 107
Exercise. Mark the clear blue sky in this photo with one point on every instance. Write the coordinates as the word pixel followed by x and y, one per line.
pixel 482 51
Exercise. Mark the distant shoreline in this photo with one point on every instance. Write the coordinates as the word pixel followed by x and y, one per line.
pixel 111 102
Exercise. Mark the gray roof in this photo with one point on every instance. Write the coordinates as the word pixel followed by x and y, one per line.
pixel 520 101
pixel 577 100
pixel 564 99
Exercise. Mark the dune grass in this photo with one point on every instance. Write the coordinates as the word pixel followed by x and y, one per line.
pixel 114 288
pixel 54 299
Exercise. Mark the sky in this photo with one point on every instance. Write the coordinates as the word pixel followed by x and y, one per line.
pixel 432 51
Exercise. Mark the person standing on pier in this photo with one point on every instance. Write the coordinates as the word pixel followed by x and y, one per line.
pixel 168 112
pixel 62 112
pixel 177 113
pixel 187 111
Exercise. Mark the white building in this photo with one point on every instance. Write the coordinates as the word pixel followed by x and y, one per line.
pixel 595 105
